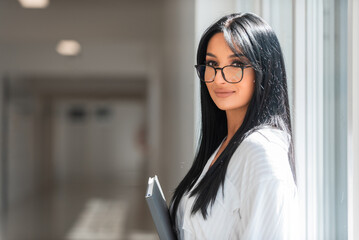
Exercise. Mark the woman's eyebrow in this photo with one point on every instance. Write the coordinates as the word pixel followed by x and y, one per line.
pixel 211 55
pixel 239 55
pixel 236 55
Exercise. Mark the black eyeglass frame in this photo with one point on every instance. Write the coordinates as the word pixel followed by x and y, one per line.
pixel 218 68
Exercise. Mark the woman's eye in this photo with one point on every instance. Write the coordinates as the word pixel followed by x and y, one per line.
pixel 237 63
pixel 211 63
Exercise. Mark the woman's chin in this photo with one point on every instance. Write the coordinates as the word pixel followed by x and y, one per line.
pixel 227 107
pixel 224 107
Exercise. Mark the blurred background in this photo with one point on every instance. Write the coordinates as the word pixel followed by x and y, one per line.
pixel 97 96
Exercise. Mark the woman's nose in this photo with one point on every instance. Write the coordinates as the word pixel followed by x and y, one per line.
pixel 218 78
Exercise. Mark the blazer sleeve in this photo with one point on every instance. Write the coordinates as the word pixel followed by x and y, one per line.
pixel 270 205
pixel 272 212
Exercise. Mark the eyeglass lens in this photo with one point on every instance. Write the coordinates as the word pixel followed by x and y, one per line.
pixel 231 73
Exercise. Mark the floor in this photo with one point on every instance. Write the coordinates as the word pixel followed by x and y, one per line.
pixel 81 212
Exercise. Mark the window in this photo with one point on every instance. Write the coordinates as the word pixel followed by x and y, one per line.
pixel 314 39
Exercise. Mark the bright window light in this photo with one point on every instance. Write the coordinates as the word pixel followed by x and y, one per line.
pixel 34 3
pixel 68 47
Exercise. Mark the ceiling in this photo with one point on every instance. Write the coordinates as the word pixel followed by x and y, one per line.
pixel 90 20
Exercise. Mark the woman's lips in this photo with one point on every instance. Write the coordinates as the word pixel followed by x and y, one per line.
pixel 224 94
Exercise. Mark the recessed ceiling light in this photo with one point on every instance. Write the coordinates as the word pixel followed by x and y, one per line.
pixel 34 3
pixel 68 47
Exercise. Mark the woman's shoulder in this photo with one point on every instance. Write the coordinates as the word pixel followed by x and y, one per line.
pixel 263 155
pixel 265 138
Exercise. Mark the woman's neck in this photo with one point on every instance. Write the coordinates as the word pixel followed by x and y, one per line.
pixel 235 119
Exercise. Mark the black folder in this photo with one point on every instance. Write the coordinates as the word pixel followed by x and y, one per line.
pixel 158 207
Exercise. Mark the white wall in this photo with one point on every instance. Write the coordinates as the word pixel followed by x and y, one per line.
pixel 21 161
pixel 178 92
pixel 1 146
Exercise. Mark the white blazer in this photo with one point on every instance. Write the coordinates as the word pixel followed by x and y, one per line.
pixel 260 196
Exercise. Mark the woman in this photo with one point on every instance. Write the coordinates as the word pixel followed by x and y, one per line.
pixel 242 182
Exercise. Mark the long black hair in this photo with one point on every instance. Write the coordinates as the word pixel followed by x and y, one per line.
pixel 269 105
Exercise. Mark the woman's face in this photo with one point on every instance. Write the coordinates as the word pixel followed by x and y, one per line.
pixel 228 96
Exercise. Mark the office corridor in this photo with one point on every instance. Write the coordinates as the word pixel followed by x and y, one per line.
pixel 90 179
pixel 81 212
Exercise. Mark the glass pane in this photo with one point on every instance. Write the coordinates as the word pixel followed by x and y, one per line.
pixel 233 74
pixel 208 74
pixel 335 119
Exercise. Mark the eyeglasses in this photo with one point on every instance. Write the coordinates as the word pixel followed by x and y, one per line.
pixel 231 74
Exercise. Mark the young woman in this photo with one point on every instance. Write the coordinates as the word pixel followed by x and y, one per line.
pixel 242 182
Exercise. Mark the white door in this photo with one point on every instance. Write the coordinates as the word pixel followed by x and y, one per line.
pixel 96 140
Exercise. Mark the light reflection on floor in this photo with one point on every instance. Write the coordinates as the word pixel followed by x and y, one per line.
pixel 101 219
pixel 86 212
